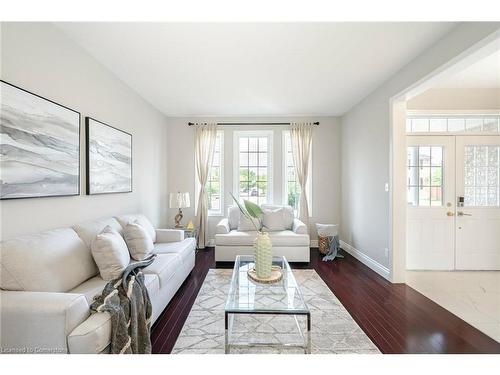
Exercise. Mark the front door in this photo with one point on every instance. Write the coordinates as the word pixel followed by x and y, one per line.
pixel 453 216
pixel 431 202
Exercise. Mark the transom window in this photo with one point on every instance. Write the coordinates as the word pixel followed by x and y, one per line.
pixel 425 176
pixel 253 161
pixel 453 124
pixel 215 180
pixel 482 170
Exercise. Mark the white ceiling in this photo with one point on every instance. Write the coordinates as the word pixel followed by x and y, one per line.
pixel 238 69
pixel 483 74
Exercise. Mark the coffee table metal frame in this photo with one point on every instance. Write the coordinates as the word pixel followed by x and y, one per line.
pixel 230 311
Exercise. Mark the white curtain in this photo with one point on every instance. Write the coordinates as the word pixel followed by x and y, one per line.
pixel 205 135
pixel 301 137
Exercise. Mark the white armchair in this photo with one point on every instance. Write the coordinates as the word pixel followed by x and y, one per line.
pixel 291 240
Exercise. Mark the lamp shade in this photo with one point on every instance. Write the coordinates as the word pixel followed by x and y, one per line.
pixel 179 200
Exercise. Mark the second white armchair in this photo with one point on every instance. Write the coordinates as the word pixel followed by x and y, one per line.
pixel 288 235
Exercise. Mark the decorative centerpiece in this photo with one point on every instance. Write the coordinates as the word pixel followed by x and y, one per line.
pixel 262 246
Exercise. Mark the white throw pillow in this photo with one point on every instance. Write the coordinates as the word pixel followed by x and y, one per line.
pixel 288 214
pixel 245 225
pixel 139 243
pixel 274 220
pixel 110 253
pixel 233 217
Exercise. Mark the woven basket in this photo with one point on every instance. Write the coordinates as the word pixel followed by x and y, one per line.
pixel 323 245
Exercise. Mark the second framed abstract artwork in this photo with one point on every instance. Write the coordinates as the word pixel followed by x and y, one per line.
pixel 109 158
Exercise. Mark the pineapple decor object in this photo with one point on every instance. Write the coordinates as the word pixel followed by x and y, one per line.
pixel 262 246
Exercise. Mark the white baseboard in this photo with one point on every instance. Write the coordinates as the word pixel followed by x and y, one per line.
pixel 366 260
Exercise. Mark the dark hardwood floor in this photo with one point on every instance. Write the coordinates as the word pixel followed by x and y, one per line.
pixel 397 318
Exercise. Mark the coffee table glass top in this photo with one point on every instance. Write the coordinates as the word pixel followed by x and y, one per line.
pixel 247 296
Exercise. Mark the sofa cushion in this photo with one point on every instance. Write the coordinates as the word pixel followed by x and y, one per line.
pixel 139 242
pixel 95 286
pixel 164 266
pixel 281 238
pixel 245 224
pixel 184 248
pixel 51 261
pixel 141 219
pixel 288 214
pixel 233 216
pixel 90 229
pixel 274 220
pixel 111 254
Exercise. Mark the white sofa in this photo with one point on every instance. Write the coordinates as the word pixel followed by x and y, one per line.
pixel 49 279
pixel 293 242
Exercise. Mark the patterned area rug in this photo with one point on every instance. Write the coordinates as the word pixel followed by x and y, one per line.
pixel 333 329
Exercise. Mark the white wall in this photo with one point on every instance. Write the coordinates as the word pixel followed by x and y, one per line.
pixel 366 146
pixel 40 58
pixel 325 169
pixel 456 99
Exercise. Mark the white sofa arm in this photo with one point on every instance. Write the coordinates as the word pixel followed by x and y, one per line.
pixel 39 322
pixel 299 227
pixel 93 336
pixel 169 235
pixel 223 227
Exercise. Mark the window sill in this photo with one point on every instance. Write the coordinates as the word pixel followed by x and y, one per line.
pixel 216 215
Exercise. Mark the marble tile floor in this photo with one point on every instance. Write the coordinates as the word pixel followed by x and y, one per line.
pixel 473 296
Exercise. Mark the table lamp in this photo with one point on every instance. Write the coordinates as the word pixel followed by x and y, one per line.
pixel 179 200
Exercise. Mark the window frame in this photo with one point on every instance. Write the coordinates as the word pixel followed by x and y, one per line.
pixel 284 188
pixel 446 116
pixel 420 185
pixel 237 134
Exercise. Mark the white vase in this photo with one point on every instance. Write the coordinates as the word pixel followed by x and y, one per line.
pixel 263 252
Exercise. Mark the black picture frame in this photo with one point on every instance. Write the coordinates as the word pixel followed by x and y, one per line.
pixel 88 161
pixel 78 190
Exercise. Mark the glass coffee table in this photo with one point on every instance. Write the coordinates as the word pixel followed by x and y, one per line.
pixel 281 298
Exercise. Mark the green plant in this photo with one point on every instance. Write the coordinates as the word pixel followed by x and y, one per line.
pixel 251 211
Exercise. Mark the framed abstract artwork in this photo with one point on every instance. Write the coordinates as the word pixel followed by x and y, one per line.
pixel 39 146
pixel 109 158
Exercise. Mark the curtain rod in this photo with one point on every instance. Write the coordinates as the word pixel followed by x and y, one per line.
pixel 251 123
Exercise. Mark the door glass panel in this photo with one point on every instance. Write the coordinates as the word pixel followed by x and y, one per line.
pixel 481 178
pixel 456 125
pixel 490 124
pixel 420 125
pixel 473 124
pixel 438 125
pixel 425 176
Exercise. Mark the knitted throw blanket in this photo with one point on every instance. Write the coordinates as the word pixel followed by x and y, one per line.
pixel 127 300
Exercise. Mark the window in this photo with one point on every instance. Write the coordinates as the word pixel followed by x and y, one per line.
pixel 482 170
pixel 453 124
pixel 253 166
pixel 215 178
pixel 291 186
pixel 425 176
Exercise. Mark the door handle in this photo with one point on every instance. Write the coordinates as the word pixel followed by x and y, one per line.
pixel 449 213
pixel 461 213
